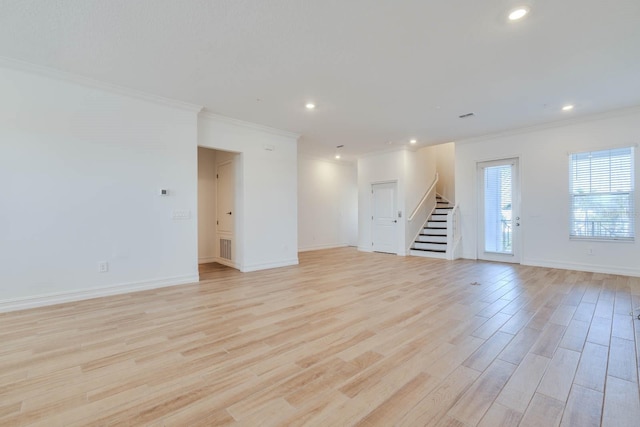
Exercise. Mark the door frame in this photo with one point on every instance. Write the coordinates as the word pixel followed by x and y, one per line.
pixel 232 190
pixel 227 235
pixel 516 256
pixel 396 230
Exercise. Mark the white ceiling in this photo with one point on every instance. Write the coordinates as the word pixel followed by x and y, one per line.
pixel 379 71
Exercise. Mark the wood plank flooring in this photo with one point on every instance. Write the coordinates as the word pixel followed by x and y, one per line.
pixel 345 338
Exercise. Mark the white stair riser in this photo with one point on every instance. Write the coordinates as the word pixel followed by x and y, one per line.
pixel 435 231
pixel 432 239
pixel 432 246
pixel 438 231
pixel 429 254
pixel 437 224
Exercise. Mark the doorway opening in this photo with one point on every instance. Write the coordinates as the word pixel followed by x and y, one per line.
pixel 217 225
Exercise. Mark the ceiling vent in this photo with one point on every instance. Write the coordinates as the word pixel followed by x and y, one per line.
pixel 464 116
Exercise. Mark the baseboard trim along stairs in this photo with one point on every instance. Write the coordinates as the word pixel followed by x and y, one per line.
pixel 432 240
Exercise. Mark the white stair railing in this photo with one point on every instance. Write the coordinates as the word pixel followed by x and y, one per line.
pixel 430 190
pixel 420 214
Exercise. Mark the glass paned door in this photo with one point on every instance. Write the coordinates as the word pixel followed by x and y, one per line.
pixel 498 209
pixel 499 213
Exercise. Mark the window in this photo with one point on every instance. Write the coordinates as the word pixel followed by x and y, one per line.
pixel 601 190
pixel 497 209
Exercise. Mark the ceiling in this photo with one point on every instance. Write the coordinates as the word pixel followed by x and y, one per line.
pixel 381 72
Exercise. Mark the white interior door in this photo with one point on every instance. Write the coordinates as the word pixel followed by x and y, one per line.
pixel 225 198
pixel 499 211
pixel 384 221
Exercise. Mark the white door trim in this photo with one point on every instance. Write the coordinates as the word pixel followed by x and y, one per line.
pixel 391 245
pixel 228 258
pixel 516 233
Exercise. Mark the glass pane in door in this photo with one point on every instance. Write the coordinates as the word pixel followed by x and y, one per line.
pixel 498 195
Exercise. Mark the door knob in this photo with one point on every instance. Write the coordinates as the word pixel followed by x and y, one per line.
pixel 228 213
pixel 395 220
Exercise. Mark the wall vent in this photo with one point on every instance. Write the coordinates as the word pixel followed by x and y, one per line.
pixel 225 249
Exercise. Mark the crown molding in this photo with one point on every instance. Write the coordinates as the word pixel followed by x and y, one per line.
pixel 249 125
pixel 620 112
pixel 56 74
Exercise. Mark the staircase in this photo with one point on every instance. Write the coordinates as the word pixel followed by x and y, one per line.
pixel 432 240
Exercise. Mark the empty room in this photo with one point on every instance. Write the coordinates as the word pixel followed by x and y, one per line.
pixel 319 213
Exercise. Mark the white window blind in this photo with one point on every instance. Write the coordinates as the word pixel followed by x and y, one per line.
pixel 601 191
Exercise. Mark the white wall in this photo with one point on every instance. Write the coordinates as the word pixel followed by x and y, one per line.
pixel 207 186
pixel 413 170
pixel 385 167
pixel 81 168
pixel 544 169
pixel 446 165
pixel 266 200
pixel 419 174
pixel 327 203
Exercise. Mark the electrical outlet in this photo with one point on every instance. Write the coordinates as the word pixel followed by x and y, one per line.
pixel 182 214
pixel 103 267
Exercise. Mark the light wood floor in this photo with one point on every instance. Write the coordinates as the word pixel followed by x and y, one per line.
pixel 345 338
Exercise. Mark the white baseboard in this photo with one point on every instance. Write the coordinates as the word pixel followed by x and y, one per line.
pixel 62 297
pixel 207 260
pixel 268 265
pixel 226 262
pixel 320 247
pixel 591 268
pixel 432 255
pixel 369 249
pixel 468 255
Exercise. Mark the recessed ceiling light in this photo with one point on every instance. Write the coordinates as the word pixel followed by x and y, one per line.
pixel 310 106
pixel 413 141
pixel 567 108
pixel 518 13
pixel 337 156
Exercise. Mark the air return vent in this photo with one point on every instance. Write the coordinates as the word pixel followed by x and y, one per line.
pixel 225 249
pixel 464 116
